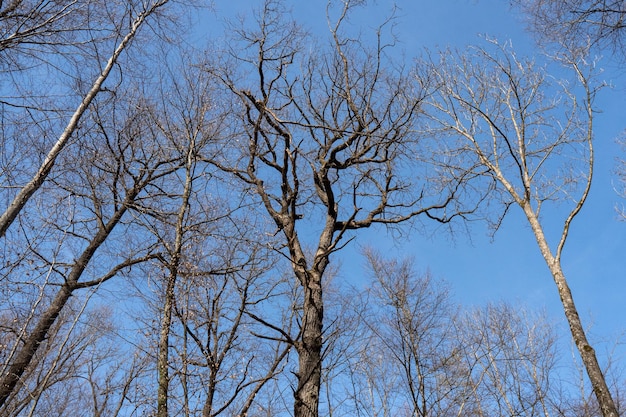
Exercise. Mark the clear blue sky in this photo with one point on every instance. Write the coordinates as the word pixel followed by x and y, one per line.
pixel 509 267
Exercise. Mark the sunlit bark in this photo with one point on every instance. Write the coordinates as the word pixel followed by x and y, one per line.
pixel 498 107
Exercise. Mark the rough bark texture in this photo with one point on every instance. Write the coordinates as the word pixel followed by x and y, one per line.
pixel 310 352
pixel 163 356
pixel 25 356
pixel 587 353
pixel 168 306
pixel 325 134
pixel 207 410
pixel 37 336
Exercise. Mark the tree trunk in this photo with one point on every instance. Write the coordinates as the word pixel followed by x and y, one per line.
pixel 169 303
pixel 38 335
pixel 207 410
pixel 310 351
pixel 25 356
pixel 163 357
pixel 587 353
pixel 26 192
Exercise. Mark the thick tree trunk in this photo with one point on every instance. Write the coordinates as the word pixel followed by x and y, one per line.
pixel 36 337
pixel 587 353
pixel 310 352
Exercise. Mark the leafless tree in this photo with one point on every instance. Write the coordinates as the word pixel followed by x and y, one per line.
pixel 222 346
pixel 113 375
pixel 419 355
pixel 210 266
pixel 34 22
pixel 111 172
pixel 80 367
pixel 578 22
pixel 185 118
pixel 325 142
pixel 582 23
pixel 221 321
pixel 413 322
pixel 56 363
pixel 533 139
pixel 513 361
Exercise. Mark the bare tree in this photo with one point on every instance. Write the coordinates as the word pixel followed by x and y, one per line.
pixel 185 119
pixel 111 173
pixel 534 142
pixel 211 269
pixel 113 374
pixel 419 355
pixel 34 24
pixel 513 361
pixel 325 142
pixel 600 24
pixel 578 22
pixel 26 22
pixel 413 323
pixel 80 366
pixel 221 321
pixel 57 362
pixel 221 346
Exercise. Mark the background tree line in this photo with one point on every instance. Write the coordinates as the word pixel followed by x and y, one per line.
pixel 174 217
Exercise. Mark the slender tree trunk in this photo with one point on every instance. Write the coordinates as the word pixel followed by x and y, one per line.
pixel 163 356
pixel 207 409
pixel 310 352
pixel 168 308
pixel 587 353
pixel 26 192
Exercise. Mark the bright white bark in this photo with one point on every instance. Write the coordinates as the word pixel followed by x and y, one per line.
pixel 26 192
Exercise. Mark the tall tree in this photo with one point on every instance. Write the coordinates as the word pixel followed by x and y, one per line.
pixel 187 123
pixel 117 168
pixel 512 362
pixel 213 270
pixel 63 63
pixel 533 139
pixel 47 24
pixel 420 354
pixel 325 141
pixel 413 323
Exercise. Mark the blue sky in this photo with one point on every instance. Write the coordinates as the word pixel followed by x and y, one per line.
pixel 509 266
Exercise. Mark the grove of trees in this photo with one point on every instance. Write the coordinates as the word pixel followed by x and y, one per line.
pixel 175 213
